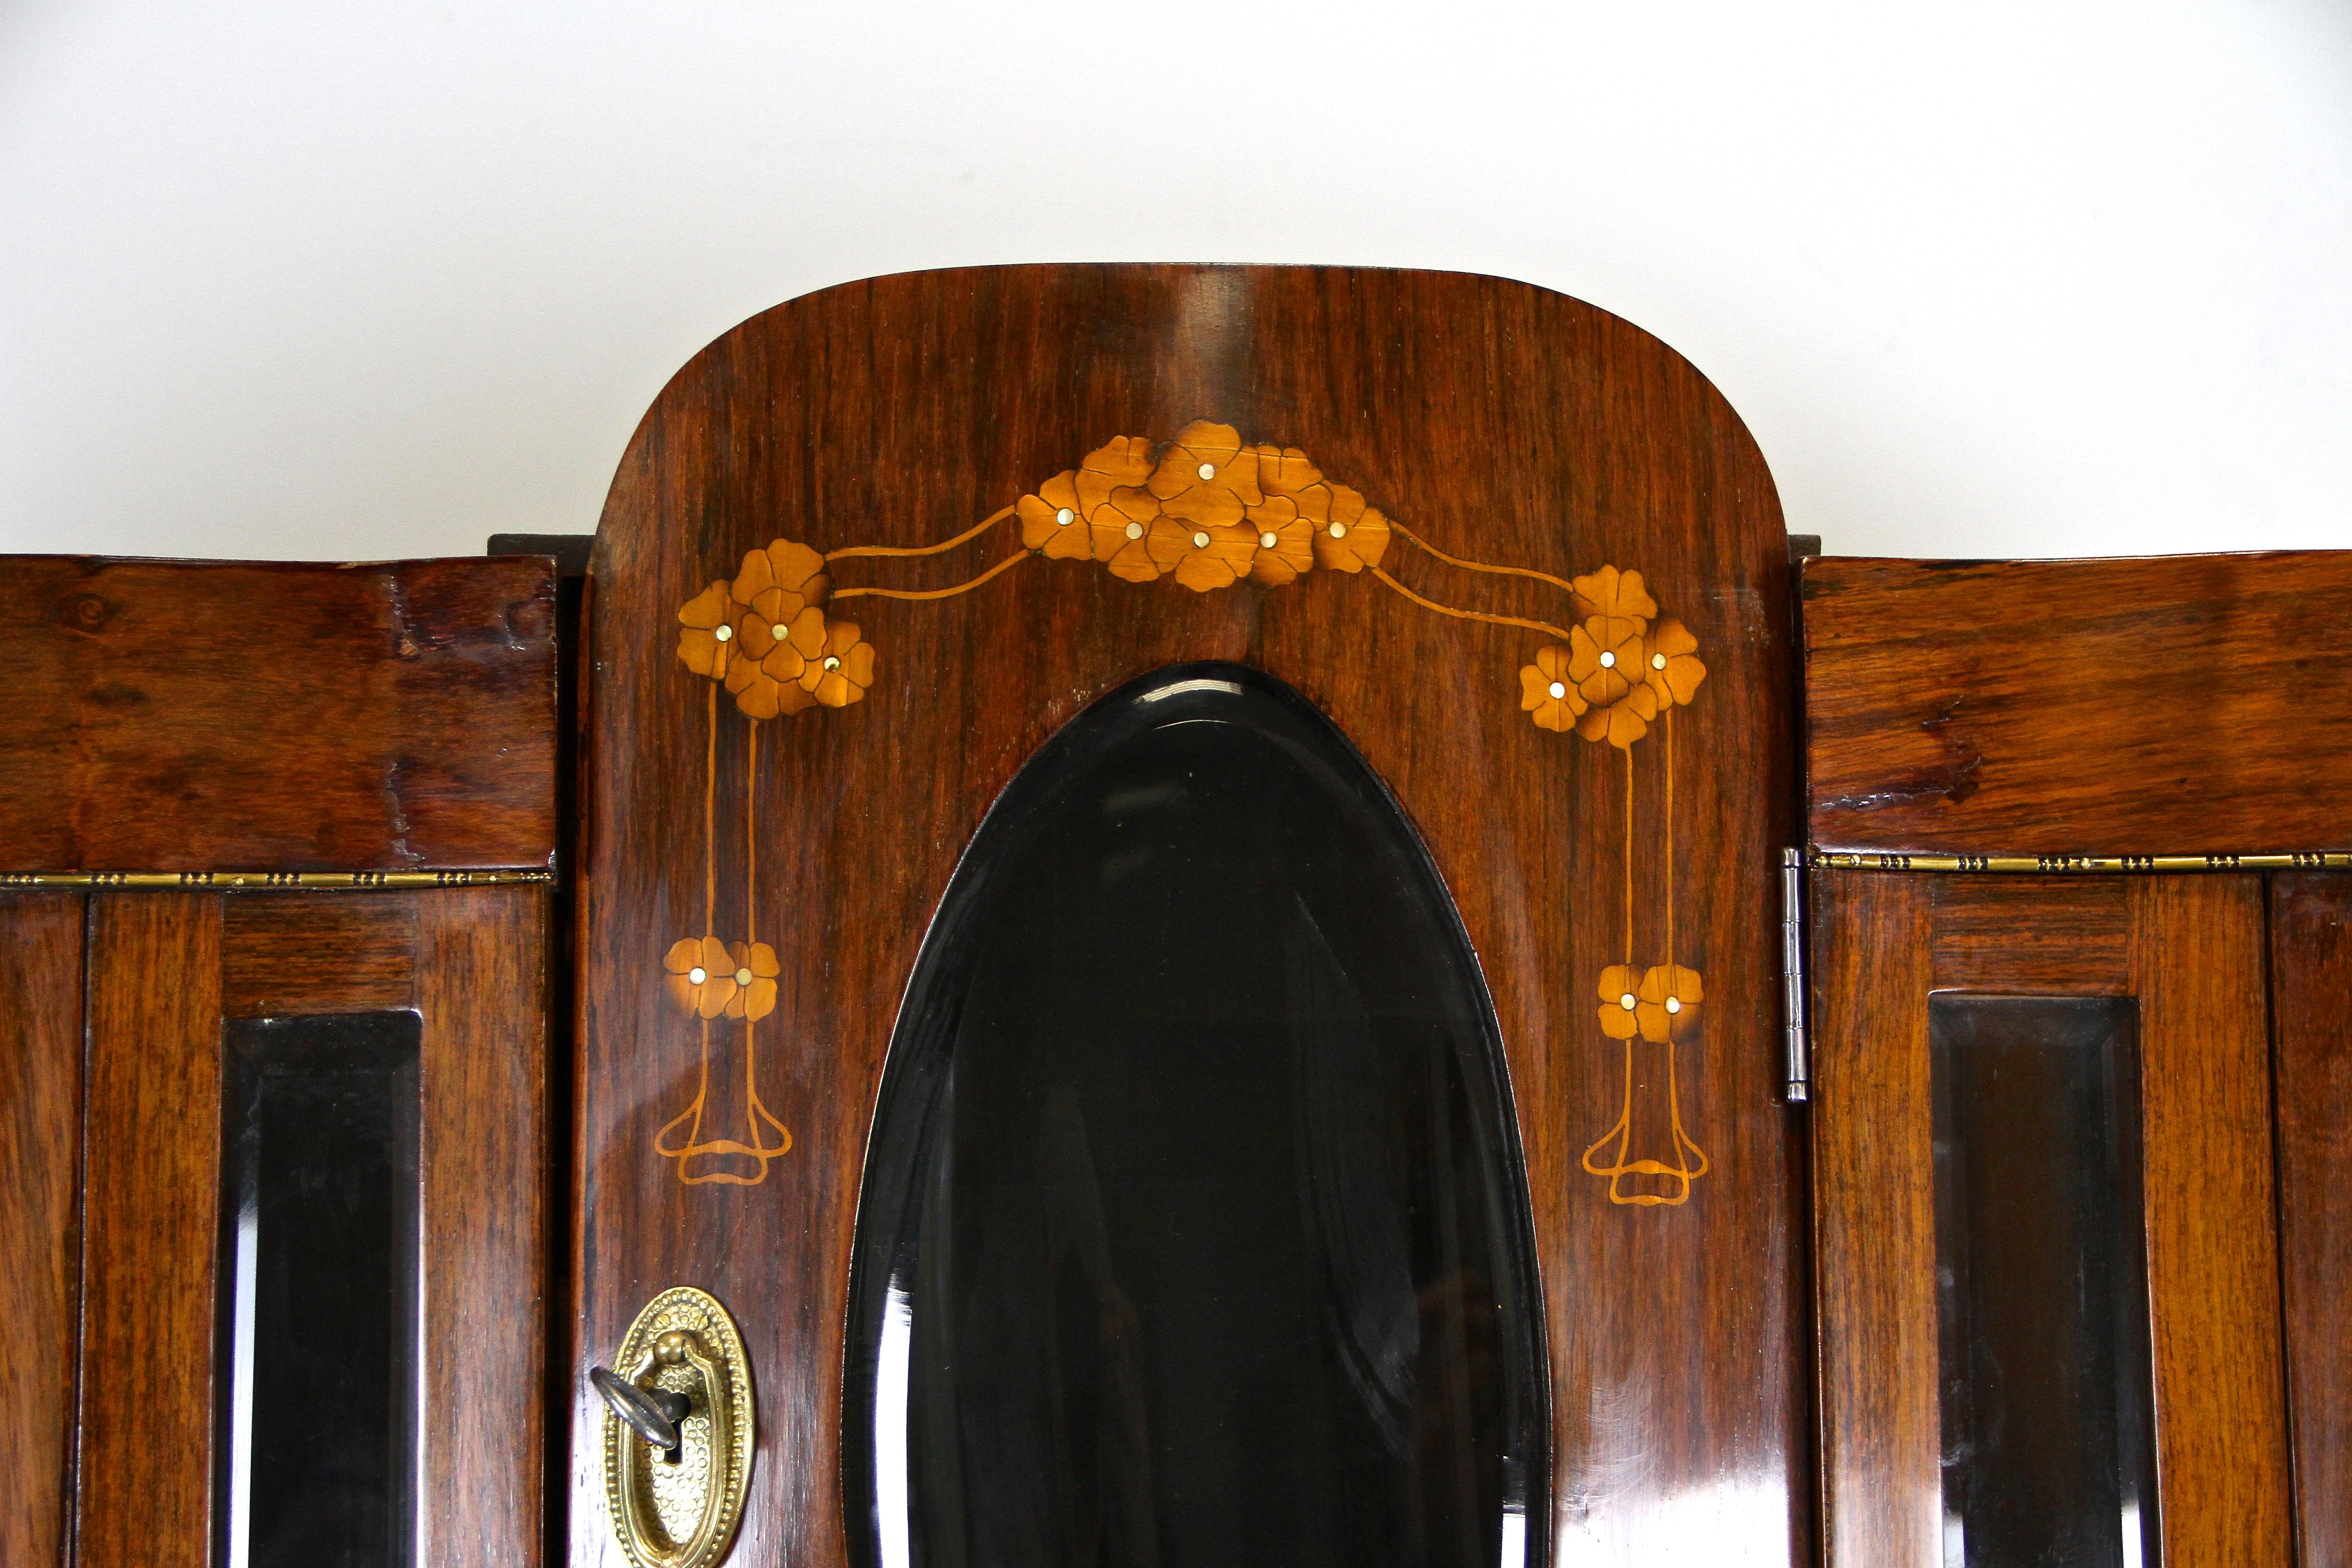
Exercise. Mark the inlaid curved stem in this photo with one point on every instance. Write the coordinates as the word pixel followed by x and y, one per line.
pixel 1404 532
pixel 967 536
pixel 1467 615
pixel 1006 564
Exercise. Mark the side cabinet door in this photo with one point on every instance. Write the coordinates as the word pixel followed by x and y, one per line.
pixel 2080 1086
pixel 275 850
pixel 1179 939
pixel 313 1235
pixel 2044 1221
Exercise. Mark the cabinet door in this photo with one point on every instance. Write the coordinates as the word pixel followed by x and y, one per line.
pixel 2078 1081
pixel 2311 987
pixel 275 848
pixel 2044 1213
pixel 1178 937
pixel 314 1229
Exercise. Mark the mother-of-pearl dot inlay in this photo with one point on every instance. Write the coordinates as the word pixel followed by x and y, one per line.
pixel 1268 541
pixel 744 978
pixel 1065 517
pixel 1135 530
pixel 1207 470
pixel 832 662
pixel 1626 1001
pixel 1657 661
pixel 1558 690
pixel 1608 661
pixel 1673 1003
pixel 778 630
pixel 1200 541
pixel 697 975
pixel 725 633
pixel 1339 531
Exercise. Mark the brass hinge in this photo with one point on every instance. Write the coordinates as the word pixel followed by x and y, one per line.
pixel 1795 1045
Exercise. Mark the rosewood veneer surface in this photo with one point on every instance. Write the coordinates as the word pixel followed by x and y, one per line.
pixel 1504 423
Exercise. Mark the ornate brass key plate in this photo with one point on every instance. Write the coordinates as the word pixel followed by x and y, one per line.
pixel 678 1432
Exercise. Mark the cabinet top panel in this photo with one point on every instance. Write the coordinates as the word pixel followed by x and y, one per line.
pixel 2160 705
pixel 202 716
pixel 872 549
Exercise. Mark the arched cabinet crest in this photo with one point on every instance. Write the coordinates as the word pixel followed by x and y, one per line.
pixel 871 551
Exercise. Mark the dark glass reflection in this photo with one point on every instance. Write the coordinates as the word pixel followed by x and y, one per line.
pixel 2049 1451
pixel 317 1366
pixel 1194 1230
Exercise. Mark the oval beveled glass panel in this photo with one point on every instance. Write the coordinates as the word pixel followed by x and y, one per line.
pixel 1194 1231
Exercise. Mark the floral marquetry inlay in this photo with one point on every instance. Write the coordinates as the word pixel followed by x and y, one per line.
pixel 1208 511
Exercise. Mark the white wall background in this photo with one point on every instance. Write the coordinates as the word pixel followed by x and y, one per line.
pixel 367 279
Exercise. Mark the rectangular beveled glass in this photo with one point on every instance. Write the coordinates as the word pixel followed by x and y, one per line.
pixel 316 1394
pixel 2043 1343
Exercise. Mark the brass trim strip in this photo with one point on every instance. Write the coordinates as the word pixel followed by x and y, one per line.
pixel 273 881
pixel 2094 865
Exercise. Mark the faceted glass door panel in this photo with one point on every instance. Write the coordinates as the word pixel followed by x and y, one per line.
pixel 1195 1229
pixel 2048 1453
pixel 317 1389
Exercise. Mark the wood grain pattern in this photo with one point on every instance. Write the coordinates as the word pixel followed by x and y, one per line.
pixel 482 989
pixel 151 1236
pixel 1874 1220
pixel 473 961
pixel 2311 998
pixel 300 953
pixel 1503 423
pixel 2212 1260
pixel 264 716
pixel 2191 953
pixel 2034 939
pixel 2192 704
pixel 40 1255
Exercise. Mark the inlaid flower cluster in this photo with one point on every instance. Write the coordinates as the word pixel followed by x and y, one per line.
pixel 1210 511
pixel 708 978
pixel 1660 1002
pixel 1618 670
pixel 766 636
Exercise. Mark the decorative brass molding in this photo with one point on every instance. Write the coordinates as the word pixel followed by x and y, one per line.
pixel 2078 865
pixel 275 881
pixel 1209 510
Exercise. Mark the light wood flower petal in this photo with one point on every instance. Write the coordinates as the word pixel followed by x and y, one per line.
pixel 1617 988
pixel 700 647
pixel 1610 591
pixel 1207 476
pixel 1118 527
pixel 807 635
pixel 782 564
pixel 1349 535
pixel 1665 982
pixel 1054 520
pixel 1674 673
pixel 1293 550
pixel 709 610
pixel 1285 471
pixel 1124 460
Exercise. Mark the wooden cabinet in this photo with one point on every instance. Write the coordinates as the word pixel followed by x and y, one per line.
pixel 275 1176
pixel 2039 790
pixel 1169 950
pixel 876 558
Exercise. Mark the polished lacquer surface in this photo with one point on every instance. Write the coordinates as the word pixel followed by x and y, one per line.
pixel 2048 1428
pixel 872 549
pixel 319 1276
pixel 1195 1229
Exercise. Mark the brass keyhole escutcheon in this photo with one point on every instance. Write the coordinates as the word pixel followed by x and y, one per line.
pixel 678 1426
